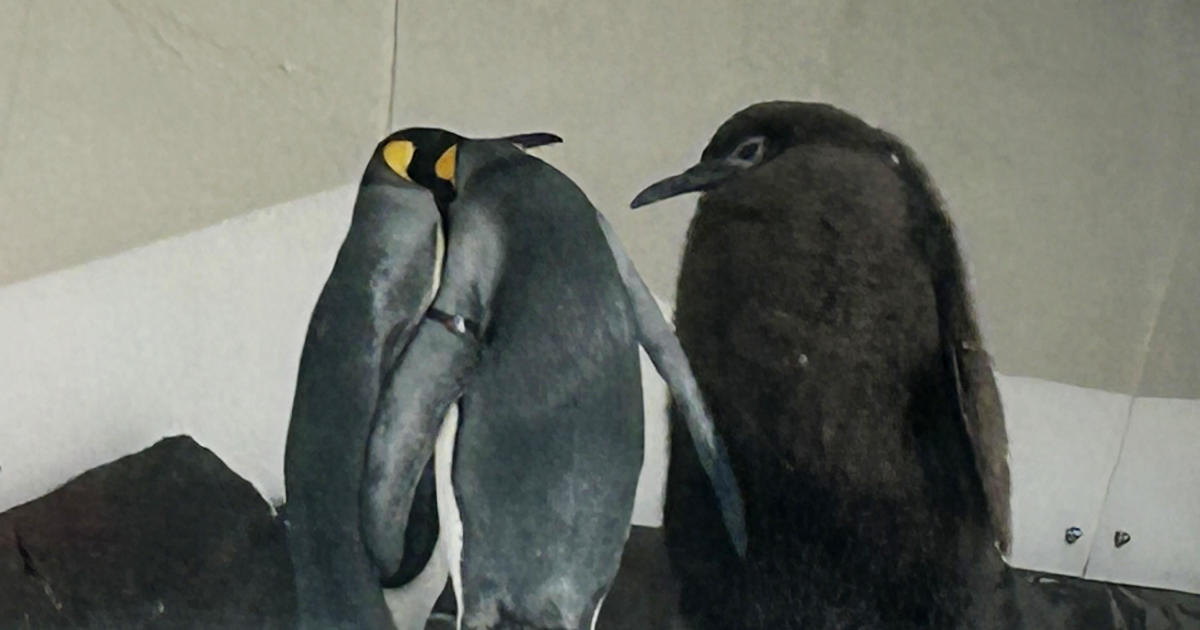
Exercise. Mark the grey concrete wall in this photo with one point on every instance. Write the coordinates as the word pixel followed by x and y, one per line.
pixel 126 121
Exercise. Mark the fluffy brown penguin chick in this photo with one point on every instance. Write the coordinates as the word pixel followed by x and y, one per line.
pixel 823 305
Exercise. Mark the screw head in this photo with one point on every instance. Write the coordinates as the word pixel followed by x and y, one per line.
pixel 1073 534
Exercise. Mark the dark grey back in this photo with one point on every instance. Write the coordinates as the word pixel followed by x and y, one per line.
pixel 550 438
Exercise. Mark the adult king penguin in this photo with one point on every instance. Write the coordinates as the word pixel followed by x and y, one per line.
pixel 478 333
pixel 823 305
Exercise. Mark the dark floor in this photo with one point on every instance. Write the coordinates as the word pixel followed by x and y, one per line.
pixel 645 593
pixel 171 538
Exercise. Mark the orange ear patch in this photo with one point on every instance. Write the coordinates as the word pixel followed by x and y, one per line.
pixel 444 167
pixel 398 155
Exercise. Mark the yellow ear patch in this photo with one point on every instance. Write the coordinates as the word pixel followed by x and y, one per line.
pixel 398 155
pixel 444 167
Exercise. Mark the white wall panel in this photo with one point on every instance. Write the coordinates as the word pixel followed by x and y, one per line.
pixel 199 334
pixel 1155 498
pixel 1063 441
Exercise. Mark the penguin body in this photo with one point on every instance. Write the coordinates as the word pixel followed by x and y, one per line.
pixel 822 303
pixel 519 381
pixel 552 421
pixel 386 275
pixel 350 339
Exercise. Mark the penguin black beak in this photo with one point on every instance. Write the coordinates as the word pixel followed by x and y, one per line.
pixel 531 140
pixel 703 176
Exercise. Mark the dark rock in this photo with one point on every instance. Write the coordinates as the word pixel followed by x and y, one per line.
pixel 165 538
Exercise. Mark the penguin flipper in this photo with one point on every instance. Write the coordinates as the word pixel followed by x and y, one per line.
pixel 977 397
pixel 658 338
pixel 532 140
pixel 420 533
pixel 428 378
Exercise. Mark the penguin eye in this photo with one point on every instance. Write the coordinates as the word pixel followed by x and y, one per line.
pixel 749 151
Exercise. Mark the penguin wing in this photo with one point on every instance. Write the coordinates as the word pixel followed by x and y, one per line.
pixel 978 399
pixel 399 518
pixel 983 415
pixel 399 513
pixel 657 337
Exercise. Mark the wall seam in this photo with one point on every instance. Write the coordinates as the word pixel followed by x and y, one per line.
pixel 1139 376
pixel 391 99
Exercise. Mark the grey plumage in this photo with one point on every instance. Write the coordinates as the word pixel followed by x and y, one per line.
pixel 823 305
pixel 532 353
pixel 664 350
pixel 354 333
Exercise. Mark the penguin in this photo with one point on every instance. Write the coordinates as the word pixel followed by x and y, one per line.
pixel 479 339
pixel 823 304
pixel 382 282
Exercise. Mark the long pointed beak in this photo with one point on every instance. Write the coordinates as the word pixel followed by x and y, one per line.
pixel 700 177
pixel 531 140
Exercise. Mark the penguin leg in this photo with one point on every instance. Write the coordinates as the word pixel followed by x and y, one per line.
pixel 427 380
pixel 658 338
pixel 420 533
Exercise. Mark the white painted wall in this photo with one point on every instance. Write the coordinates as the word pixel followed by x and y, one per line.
pixel 201 334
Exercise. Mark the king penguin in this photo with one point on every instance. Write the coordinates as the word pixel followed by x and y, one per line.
pixel 823 304
pixel 386 274
pixel 478 334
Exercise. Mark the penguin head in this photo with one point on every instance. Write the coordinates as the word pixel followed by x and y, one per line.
pixel 758 134
pixel 428 157
pixel 420 155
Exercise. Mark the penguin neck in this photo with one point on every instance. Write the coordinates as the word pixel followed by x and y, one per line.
pixel 443 207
